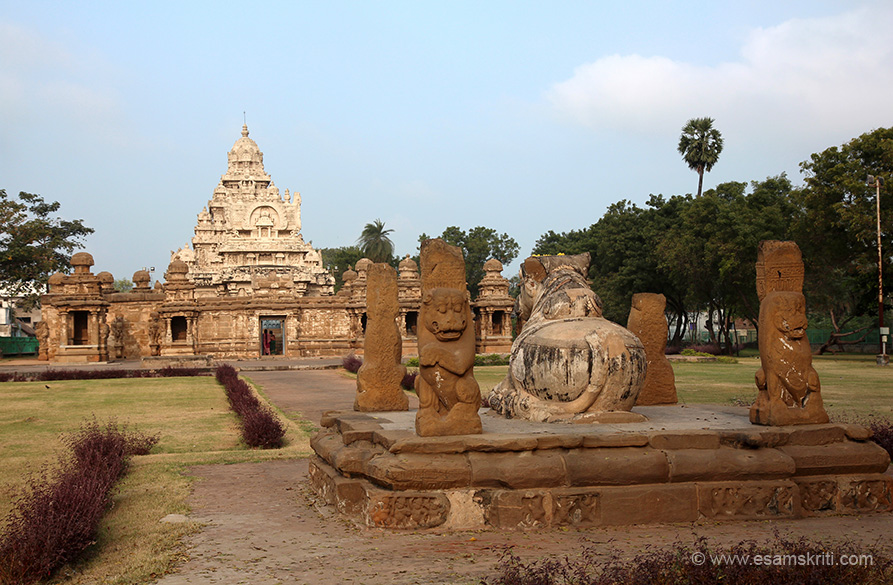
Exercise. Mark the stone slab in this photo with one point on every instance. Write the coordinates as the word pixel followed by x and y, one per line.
pixel 849 457
pixel 682 465
pixel 751 500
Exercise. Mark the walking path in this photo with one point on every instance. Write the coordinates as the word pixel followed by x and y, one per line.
pixel 262 524
pixel 277 534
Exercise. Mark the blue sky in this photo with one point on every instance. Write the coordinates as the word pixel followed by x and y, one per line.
pixel 520 116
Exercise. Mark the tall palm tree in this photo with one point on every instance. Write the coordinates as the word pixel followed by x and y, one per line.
pixel 375 243
pixel 700 145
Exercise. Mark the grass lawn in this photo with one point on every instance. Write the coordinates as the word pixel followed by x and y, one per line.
pixel 195 426
pixel 852 385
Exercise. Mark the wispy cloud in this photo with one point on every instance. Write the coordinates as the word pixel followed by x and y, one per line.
pixel 833 73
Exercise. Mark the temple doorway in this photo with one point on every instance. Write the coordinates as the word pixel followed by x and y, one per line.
pixel 272 340
pixel 80 330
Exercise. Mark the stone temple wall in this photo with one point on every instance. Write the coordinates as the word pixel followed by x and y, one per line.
pixel 232 327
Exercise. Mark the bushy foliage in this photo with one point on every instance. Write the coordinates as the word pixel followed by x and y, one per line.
pixel 702 565
pixel 34 244
pixel 493 359
pixel 408 382
pixel 702 349
pixel 50 375
pixel 56 517
pixel 352 362
pixel 260 426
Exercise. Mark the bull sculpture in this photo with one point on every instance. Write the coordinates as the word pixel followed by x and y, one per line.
pixel 568 362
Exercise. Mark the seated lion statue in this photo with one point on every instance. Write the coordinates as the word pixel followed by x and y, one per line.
pixel 789 387
pixel 449 396
pixel 568 362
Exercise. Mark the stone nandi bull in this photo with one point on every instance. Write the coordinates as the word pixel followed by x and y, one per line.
pixel 568 362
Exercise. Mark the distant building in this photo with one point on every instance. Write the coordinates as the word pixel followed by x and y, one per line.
pixel 248 272
pixel 16 321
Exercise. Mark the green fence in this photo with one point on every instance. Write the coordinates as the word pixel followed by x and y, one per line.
pixel 18 345
pixel 819 336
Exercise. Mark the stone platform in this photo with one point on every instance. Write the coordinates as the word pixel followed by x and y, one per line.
pixel 687 463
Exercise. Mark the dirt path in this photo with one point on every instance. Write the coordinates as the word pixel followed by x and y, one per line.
pixel 262 528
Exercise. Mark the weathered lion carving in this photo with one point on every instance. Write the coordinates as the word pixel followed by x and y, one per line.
pixel 568 362
pixel 449 396
pixel 789 387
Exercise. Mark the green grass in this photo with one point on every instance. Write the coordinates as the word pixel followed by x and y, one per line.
pixel 195 426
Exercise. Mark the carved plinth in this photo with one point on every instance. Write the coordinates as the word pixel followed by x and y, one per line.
pixel 521 474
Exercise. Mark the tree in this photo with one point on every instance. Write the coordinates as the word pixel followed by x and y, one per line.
pixel 700 145
pixel 698 252
pixel 713 248
pixel 123 285
pixel 837 229
pixel 339 260
pixel 478 245
pixel 34 244
pixel 623 249
pixel 375 243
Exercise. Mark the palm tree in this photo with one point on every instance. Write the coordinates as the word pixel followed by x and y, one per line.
pixel 375 243
pixel 700 145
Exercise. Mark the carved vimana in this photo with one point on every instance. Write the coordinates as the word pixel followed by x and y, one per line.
pixel 248 238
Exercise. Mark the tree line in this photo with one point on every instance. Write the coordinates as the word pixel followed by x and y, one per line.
pixel 700 252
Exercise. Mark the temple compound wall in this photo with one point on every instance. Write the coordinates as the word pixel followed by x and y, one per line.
pixel 248 286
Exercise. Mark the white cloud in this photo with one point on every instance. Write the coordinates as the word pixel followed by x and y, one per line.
pixel 833 74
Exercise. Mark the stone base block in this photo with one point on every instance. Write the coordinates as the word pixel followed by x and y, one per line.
pixel 372 468
pixel 850 494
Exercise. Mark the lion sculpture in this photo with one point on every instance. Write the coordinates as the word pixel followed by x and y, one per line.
pixel 789 387
pixel 568 362
pixel 449 396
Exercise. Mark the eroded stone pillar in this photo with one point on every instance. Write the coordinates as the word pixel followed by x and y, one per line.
pixel 379 378
pixel 648 322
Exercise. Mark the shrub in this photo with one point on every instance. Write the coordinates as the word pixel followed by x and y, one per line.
pixel 412 362
pixel 352 362
pixel 703 565
pixel 49 375
pixel 493 359
pixel 260 427
pixel 692 351
pixel 408 382
pixel 56 517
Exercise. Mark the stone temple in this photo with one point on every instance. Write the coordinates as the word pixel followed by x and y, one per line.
pixel 248 286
